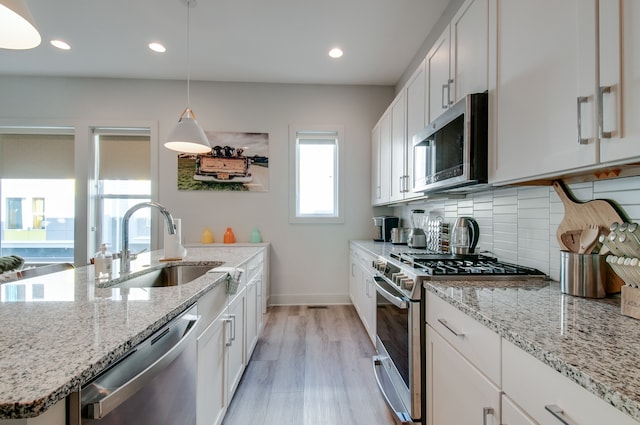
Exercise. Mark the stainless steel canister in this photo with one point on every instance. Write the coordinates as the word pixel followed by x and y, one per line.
pixel 583 275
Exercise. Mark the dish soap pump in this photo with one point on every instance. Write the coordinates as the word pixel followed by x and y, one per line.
pixel 229 237
pixel 103 262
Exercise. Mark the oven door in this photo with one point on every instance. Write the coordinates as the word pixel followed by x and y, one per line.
pixel 392 364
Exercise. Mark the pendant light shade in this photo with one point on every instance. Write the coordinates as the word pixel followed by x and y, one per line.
pixel 17 29
pixel 188 136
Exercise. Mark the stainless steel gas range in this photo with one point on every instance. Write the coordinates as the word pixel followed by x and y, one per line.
pixel 400 318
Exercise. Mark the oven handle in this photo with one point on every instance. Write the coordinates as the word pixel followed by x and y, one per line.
pixel 100 408
pixel 397 301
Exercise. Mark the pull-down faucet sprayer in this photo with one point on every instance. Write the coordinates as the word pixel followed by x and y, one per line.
pixel 125 256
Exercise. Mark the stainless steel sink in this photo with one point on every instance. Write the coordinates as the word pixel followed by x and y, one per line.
pixel 167 276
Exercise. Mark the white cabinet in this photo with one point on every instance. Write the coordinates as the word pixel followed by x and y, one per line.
pixel 546 85
pixel 457 392
pixel 416 121
pixel 513 415
pixel 547 390
pixel 253 304
pixel 457 64
pixel 380 160
pixel 398 147
pixel 619 66
pixel 463 368
pixel 362 289
pixel 211 398
pixel 230 325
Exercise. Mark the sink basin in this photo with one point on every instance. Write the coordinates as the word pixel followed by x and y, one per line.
pixel 167 276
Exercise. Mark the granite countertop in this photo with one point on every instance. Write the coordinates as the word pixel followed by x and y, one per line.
pixel 61 330
pixel 587 340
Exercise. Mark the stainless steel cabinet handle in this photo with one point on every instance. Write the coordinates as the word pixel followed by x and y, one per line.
pixel 445 87
pixel 233 327
pixel 603 90
pixel 400 186
pixel 449 101
pixel 558 413
pixel 581 100
pixel 227 327
pixel 486 411
pixel 448 326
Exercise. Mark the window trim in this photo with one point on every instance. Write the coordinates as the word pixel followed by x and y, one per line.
pixel 294 131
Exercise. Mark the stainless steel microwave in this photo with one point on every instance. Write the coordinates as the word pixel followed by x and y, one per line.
pixel 452 150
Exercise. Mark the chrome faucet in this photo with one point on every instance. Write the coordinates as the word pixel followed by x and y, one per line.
pixel 125 255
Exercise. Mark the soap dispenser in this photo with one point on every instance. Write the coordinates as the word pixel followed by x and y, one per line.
pixel 103 262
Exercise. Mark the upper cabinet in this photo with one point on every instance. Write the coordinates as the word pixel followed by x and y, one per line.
pixel 619 91
pixel 457 64
pixel 380 160
pixel 546 88
pixel 564 97
pixel 398 147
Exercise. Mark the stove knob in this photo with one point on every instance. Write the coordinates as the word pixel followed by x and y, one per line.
pixel 379 265
pixel 407 284
pixel 397 278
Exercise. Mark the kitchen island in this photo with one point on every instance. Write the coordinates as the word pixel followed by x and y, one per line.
pixel 61 330
pixel 585 340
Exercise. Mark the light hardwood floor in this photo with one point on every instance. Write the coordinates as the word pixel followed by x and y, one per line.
pixel 312 366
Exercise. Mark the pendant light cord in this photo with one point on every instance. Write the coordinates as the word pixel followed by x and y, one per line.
pixel 188 54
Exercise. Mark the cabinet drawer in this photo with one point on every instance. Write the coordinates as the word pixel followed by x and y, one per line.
pixel 533 385
pixel 476 342
pixel 254 265
pixel 211 304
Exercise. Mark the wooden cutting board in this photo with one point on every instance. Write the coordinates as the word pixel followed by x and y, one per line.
pixel 578 215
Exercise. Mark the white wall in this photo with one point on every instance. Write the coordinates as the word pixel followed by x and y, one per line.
pixel 308 262
pixel 519 224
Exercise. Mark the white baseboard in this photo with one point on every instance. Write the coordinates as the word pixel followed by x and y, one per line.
pixel 308 299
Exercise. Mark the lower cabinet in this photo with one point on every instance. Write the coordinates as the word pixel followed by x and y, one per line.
pixel 362 290
pixel 512 415
pixel 457 392
pixel 229 329
pixel 549 397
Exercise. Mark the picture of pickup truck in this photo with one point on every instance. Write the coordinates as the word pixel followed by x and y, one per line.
pixel 238 161
pixel 223 165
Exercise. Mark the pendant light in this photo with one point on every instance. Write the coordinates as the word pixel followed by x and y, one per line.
pixel 188 136
pixel 17 29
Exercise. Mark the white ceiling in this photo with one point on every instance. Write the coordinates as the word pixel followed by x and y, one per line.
pixel 281 41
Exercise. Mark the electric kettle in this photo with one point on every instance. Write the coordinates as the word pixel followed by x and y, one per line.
pixel 464 236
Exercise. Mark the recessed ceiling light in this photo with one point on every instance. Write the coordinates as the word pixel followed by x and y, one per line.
pixel 60 44
pixel 157 47
pixel 336 52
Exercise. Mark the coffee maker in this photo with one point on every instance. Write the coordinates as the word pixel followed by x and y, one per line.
pixel 385 223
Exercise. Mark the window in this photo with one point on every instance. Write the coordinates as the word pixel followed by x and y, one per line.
pixel 316 189
pixel 123 163
pixel 37 187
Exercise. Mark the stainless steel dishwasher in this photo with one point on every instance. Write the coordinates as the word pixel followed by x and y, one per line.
pixel 155 383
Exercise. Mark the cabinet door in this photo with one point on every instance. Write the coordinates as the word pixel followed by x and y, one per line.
pixel 398 147
pixel 251 317
pixel 438 84
pixel 416 121
pixel 619 73
pixel 370 304
pixel 457 393
pixel 469 49
pixel 211 389
pixel 381 160
pixel 512 415
pixel 546 63
pixel 236 342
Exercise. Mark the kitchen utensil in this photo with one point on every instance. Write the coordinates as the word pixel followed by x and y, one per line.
pixel 464 236
pixel 417 237
pixel 588 238
pixel 578 215
pixel 571 240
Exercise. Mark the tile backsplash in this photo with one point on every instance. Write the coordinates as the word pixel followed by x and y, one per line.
pixel 518 224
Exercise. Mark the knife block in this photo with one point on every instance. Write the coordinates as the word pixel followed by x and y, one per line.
pixel 630 302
